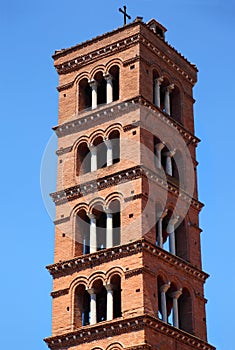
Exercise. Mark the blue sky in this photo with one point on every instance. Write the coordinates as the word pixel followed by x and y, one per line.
pixel 203 30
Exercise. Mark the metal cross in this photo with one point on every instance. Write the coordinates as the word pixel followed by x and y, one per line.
pixel 125 14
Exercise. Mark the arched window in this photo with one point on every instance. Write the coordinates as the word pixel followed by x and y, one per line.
pixel 117 300
pixel 85 94
pixel 82 236
pixel 168 296
pixel 83 159
pixel 101 152
pixel 101 88
pixel 81 306
pixel 181 241
pixel 114 71
pixel 101 301
pixel 100 227
pixel 185 311
pixel 175 104
pixel 116 222
pixel 114 137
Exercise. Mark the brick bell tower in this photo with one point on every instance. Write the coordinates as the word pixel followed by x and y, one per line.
pixel 127 272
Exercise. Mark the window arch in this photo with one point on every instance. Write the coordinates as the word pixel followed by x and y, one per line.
pixel 85 94
pixel 81 306
pixel 185 311
pixel 117 299
pixel 83 159
pixel 114 137
pixel 101 300
pixel 171 233
pixel 175 104
pixel 82 233
pixel 115 73
pixel 101 88
pixel 101 152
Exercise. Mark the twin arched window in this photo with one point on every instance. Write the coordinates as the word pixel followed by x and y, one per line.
pixel 101 153
pixel 165 158
pixel 104 88
pixel 171 233
pixel 98 230
pixel 101 302
pixel 166 96
pixel 175 306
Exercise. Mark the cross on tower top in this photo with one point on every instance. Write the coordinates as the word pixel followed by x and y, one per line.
pixel 125 14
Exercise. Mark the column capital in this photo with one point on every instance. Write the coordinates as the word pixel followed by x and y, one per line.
pixel 91 291
pixel 176 294
pixel 107 211
pixel 159 146
pixel 91 146
pixel 109 287
pixel 170 87
pixel 108 142
pixel 174 220
pixel 164 288
pixel 170 153
pixel 91 216
pixel 159 80
pixel 93 84
pixel 108 77
pixel 162 214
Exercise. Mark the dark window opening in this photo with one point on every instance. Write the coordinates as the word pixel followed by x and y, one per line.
pixel 85 94
pixel 81 307
pixel 101 88
pixel 101 304
pixel 83 159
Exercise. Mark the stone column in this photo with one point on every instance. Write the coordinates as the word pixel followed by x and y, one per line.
pixel 158 151
pixel 157 96
pixel 163 289
pixel 167 99
pixel 169 168
pixel 171 232
pixel 109 228
pixel 175 296
pixel 109 91
pixel 93 151
pixel 93 317
pixel 93 240
pixel 109 289
pixel 108 144
pixel 93 85
pixel 160 238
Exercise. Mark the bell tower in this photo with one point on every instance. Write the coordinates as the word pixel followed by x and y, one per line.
pixel 127 270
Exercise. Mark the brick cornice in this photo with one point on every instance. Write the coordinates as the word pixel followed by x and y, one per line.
pixel 75 192
pixel 86 119
pixel 119 326
pixel 118 46
pixel 90 260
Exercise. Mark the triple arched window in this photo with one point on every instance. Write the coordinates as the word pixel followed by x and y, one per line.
pixel 99 229
pixel 175 305
pixel 171 233
pixel 166 96
pixel 98 303
pixel 101 89
pixel 165 158
pixel 101 153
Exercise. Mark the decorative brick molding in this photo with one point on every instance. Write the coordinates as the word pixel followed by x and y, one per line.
pixel 123 176
pixel 99 257
pixel 59 293
pixel 119 326
pixel 81 122
pixel 119 46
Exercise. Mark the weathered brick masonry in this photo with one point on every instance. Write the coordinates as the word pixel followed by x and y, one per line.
pixel 127 272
